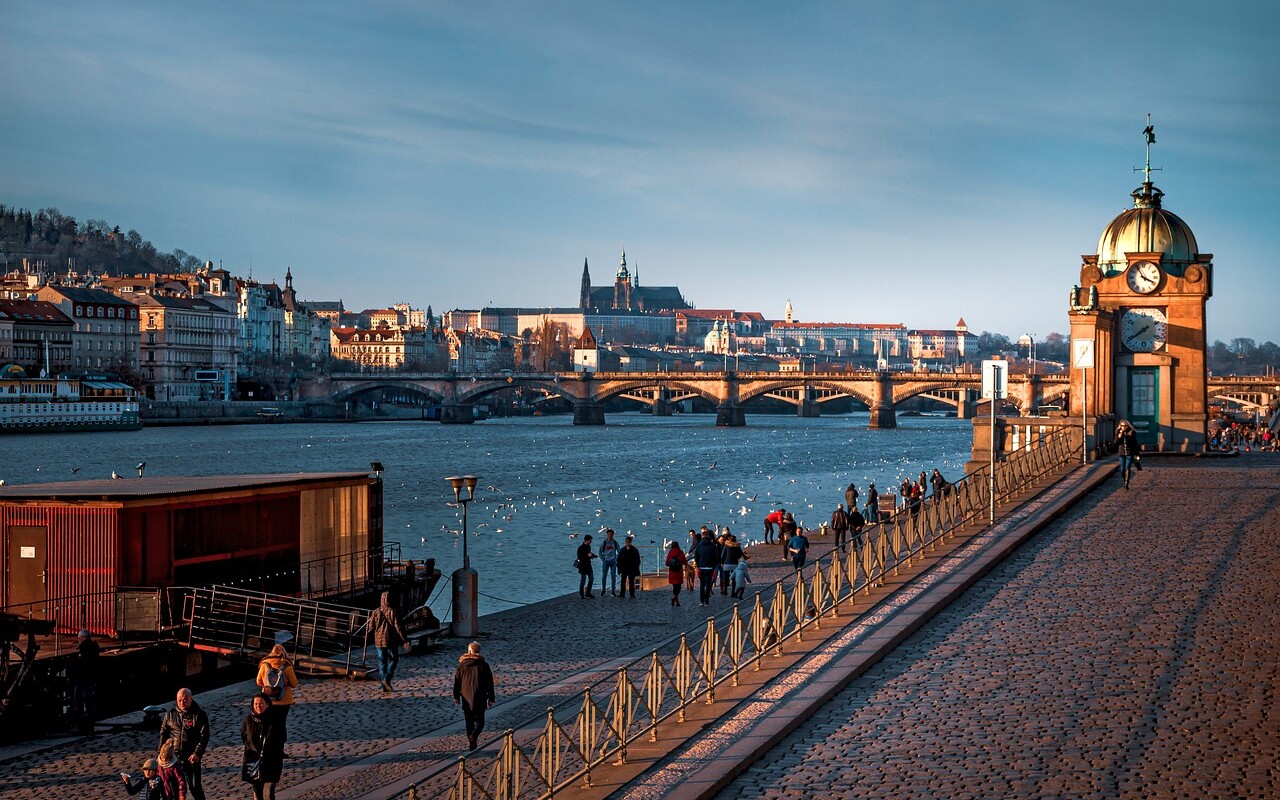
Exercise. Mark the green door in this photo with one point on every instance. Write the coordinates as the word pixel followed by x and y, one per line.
pixel 1144 407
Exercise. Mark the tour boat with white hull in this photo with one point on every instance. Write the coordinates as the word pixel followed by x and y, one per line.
pixel 45 405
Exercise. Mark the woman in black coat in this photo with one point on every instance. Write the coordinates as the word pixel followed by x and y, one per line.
pixel 263 749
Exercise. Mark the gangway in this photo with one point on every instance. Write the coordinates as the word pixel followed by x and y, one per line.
pixel 322 638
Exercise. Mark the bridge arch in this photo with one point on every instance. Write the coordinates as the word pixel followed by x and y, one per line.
pixel 352 391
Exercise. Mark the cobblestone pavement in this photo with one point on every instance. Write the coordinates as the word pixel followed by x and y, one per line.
pixel 336 723
pixel 1129 651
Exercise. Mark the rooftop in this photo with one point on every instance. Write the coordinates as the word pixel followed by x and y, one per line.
pixel 165 486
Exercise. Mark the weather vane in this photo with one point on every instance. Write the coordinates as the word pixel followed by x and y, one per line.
pixel 1149 133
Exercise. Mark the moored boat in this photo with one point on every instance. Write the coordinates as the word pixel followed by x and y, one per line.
pixel 45 405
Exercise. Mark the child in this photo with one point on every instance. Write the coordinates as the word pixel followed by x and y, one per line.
pixel 149 786
pixel 175 785
pixel 740 578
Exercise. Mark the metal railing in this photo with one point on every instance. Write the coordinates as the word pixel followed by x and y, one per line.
pixel 113 613
pixel 234 621
pixel 345 573
pixel 548 754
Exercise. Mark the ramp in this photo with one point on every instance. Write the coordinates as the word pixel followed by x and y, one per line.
pixel 322 638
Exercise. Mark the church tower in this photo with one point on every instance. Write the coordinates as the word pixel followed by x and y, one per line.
pixel 584 295
pixel 1141 304
pixel 622 286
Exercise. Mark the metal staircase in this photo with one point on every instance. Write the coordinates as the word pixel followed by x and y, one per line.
pixel 322 638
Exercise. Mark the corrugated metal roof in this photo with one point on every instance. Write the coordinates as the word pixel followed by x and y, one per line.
pixel 161 486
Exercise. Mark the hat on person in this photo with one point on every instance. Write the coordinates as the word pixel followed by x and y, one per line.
pixel 586 538
pixel 167 756
pixel 150 763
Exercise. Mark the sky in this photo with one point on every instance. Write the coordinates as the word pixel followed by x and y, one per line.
pixel 911 162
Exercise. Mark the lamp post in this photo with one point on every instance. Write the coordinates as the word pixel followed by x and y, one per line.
pixel 465 584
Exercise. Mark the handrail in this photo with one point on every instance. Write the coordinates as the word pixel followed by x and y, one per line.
pixel 331 575
pixel 597 724
pixel 102 613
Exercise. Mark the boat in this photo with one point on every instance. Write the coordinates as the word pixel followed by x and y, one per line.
pixel 51 405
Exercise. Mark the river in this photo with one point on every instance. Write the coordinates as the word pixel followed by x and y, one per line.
pixel 544 482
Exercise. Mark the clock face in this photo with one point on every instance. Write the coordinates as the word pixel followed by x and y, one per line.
pixel 1143 277
pixel 1144 330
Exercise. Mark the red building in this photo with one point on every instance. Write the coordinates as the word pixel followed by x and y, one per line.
pixel 64 542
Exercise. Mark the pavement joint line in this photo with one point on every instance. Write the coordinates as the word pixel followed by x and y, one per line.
pixel 682 774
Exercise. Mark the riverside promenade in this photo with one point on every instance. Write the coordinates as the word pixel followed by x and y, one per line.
pixel 1071 670
pixel 1128 651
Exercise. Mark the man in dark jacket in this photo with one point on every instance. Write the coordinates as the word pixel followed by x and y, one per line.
pixel 473 688
pixel 707 554
pixel 586 573
pixel 629 567
pixel 840 526
pixel 187 726
pixel 83 675
pixel 388 637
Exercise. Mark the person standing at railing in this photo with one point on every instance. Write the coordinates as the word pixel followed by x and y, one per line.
pixel 277 680
pixel 473 689
pixel 388 637
pixel 939 483
pixel 840 525
pixel 1128 449
pixel 676 563
pixel 873 503
pixel 83 675
pixel 851 497
pixel 707 556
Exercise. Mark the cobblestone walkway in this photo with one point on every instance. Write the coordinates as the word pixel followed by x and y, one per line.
pixel 534 650
pixel 1129 651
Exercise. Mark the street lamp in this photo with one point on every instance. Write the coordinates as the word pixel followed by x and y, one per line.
pixel 465 584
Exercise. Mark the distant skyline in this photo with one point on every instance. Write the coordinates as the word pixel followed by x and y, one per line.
pixel 913 162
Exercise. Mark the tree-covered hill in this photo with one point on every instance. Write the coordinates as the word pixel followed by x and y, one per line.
pixel 93 245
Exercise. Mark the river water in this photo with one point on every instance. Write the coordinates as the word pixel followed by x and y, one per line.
pixel 544 482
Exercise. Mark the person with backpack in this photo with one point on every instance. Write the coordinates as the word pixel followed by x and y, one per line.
pixel 277 680
pixel 676 563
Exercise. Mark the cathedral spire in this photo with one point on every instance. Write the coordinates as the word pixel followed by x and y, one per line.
pixel 584 295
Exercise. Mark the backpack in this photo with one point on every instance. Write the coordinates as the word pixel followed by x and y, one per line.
pixel 275 683
pixel 673 562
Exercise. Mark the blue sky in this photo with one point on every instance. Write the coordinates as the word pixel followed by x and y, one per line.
pixel 872 162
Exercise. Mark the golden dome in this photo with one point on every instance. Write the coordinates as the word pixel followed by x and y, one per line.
pixel 1147 228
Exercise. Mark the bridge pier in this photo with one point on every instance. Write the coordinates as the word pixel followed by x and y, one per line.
pixel 662 408
pixel 966 408
pixel 456 414
pixel 807 408
pixel 587 413
pixel 882 413
pixel 730 416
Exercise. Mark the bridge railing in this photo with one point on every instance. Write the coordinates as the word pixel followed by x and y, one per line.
pixel 552 752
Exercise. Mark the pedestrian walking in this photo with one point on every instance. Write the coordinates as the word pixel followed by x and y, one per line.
pixel 725 569
pixel 629 567
pixel 83 675
pixel 277 680
pixel 873 503
pixel 170 772
pixel 586 573
pixel 187 727
pixel 741 577
pixel 707 556
pixel 1128 449
pixel 939 483
pixel 798 546
pixel 840 526
pixel 388 637
pixel 856 525
pixel 609 563
pixel 473 689
pixel 731 555
pixel 149 786
pixel 676 564
pixel 263 759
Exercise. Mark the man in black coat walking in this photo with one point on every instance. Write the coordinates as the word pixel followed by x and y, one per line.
pixel 187 726
pixel 473 689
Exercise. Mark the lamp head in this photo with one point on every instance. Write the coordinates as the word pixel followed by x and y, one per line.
pixel 456 482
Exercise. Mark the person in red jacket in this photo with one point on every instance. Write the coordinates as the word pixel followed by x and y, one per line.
pixel 774 518
pixel 676 562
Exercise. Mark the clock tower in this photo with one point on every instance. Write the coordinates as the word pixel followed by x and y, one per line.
pixel 1141 301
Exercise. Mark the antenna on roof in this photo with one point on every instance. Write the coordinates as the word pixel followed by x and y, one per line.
pixel 1148 133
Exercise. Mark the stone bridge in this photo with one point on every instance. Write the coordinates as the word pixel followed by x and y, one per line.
pixel 729 392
